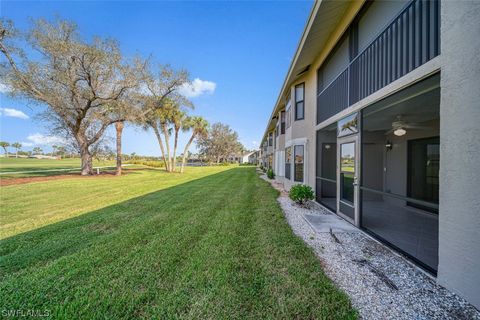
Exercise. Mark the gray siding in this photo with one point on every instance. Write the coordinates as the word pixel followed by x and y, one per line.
pixel 336 63
pixel 375 19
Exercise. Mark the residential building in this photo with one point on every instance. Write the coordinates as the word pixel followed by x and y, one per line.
pixel 248 157
pixel 379 113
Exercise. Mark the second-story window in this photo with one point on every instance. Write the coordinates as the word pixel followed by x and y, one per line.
pixel 299 101
pixel 282 122
pixel 270 139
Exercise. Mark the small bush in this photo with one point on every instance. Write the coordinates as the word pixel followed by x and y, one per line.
pixel 270 174
pixel 301 193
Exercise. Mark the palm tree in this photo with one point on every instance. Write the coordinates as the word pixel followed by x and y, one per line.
pixel 17 146
pixel 160 120
pixel 37 150
pixel 177 118
pixel 5 145
pixel 199 127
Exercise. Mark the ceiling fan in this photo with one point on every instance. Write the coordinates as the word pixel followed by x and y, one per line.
pixel 400 126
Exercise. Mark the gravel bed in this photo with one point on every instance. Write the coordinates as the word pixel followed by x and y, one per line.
pixel 380 283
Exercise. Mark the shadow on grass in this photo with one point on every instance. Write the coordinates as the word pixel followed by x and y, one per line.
pixel 61 172
pixel 64 238
pixel 215 247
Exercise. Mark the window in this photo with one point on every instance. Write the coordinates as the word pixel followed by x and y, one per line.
pixel 298 168
pixel 289 117
pixel 289 113
pixel 299 102
pixel 288 161
pixel 423 171
pixel 275 139
pixel 326 167
pixel 348 125
pixel 270 139
pixel 399 186
pixel 282 122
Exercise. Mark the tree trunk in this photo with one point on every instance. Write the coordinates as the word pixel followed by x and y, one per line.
pixel 16 154
pixel 87 167
pixel 167 144
pixel 174 160
pixel 119 128
pixel 85 156
pixel 185 152
pixel 160 142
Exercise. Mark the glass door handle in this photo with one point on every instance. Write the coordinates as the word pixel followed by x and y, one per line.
pixel 355 181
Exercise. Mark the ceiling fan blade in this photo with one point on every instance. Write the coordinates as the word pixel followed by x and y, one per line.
pixel 389 132
pixel 418 127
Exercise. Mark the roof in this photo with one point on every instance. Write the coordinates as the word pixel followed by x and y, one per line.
pixel 319 29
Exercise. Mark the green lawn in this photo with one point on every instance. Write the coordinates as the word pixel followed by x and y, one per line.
pixel 30 164
pixel 210 243
pixel 36 167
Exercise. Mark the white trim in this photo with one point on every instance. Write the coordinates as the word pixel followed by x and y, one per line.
pixel 299 142
pixel 296 141
pixel 356 209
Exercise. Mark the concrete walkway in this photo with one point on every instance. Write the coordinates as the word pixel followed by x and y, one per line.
pixel 327 222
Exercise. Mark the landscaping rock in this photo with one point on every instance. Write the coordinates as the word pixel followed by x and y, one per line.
pixel 381 283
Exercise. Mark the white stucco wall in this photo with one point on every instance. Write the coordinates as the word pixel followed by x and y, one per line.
pixel 459 219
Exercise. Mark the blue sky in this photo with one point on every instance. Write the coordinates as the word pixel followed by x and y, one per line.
pixel 244 48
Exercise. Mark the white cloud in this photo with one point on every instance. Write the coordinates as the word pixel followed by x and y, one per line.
pixel 4 88
pixel 42 140
pixel 197 87
pixel 8 112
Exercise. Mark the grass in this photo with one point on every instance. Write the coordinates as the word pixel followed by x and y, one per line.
pixel 29 164
pixel 210 243
pixel 35 167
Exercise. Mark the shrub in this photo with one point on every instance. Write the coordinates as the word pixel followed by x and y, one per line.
pixel 270 174
pixel 301 193
pixel 148 163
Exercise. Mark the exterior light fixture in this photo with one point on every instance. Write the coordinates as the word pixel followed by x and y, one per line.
pixel 327 146
pixel 399 132
pixel 389 145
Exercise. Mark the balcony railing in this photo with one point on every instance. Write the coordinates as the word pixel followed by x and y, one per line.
pixel 410 40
